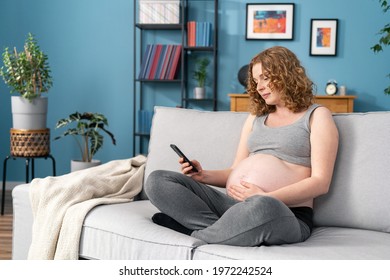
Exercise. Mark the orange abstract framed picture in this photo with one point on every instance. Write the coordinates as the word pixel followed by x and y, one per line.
pixel 270 21
pixel 323 37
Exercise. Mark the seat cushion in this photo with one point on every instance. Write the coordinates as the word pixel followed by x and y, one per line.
pixel 125 231
pixel 324 244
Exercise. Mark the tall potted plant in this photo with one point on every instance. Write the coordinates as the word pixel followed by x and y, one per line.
pixel 384 41
pixel 28 73
pixel 87 134
pixel 200 75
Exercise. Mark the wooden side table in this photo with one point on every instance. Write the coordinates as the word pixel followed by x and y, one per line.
pixel 337 104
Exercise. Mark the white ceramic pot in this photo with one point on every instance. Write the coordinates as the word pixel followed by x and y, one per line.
pixel 76 165
pixel 199 93
pixel 29 115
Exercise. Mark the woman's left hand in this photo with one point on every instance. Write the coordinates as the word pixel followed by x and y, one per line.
pixel 244 190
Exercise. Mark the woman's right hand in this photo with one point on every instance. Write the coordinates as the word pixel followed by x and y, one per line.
pixel 187 169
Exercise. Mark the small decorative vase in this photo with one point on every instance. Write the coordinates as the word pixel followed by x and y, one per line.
pixel 76 165
pixel 199 93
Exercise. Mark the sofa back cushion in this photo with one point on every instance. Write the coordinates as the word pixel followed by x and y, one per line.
pixel 209 137
pixel 359 195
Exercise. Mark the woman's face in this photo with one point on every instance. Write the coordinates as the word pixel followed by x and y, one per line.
pixel 270 96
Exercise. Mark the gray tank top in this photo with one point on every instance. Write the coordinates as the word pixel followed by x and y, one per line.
pixel 290 143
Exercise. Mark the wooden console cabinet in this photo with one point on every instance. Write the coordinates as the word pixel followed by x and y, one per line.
pixel 337 103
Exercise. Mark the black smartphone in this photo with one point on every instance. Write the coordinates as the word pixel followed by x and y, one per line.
pixel 180 153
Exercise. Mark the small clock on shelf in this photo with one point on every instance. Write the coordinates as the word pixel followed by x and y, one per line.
pixel 331 87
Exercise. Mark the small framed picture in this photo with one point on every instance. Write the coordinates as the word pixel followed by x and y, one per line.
pixel 270 21
pixel 323 37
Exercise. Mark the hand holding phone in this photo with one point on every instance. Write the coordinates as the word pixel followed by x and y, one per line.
pixel 180 154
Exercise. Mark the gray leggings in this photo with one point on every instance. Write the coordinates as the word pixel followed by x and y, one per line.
pixel 219 219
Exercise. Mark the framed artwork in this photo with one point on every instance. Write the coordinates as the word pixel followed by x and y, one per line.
pixel 323 37
pixel 270 21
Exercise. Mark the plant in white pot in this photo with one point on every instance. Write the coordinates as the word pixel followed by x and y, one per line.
pixel 200 75
pixel 28 73
pixel 87 134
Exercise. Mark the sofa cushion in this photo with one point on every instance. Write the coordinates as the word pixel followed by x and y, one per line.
pixel 359 196
pixel 125 231
pixel 210 137
pixel 325 243
pixel 117 232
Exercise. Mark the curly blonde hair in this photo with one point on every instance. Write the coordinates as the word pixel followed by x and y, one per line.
pixel 286 75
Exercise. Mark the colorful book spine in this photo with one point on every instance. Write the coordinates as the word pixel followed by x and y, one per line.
pixel 156 57
pixel 199 34
pixel 191 33
pixel 150 63
pixel 167 58
pixel 175 62
pixel 170 63
pixel 145 61
pixel 160 62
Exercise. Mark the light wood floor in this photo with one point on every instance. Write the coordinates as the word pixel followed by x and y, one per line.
pixel 6 228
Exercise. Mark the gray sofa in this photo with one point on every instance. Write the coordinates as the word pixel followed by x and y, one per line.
pixel 351 222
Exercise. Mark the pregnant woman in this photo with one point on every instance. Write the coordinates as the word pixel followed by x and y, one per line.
pixel 284 159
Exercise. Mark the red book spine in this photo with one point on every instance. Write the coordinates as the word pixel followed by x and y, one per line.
pixel 189 34
pixel 160 62
pixel 166 62
pixel 170 62
pixel 175 62
pixel 155 62
pixel 193 34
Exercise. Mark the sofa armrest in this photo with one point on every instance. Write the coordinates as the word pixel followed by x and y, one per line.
pixel 22 222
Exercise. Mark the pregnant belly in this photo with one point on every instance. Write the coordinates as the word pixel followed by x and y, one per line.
pixel 267 172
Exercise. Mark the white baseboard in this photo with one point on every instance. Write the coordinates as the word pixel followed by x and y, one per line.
pixel 9 185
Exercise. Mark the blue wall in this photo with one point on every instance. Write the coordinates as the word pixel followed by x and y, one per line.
pixel 90 49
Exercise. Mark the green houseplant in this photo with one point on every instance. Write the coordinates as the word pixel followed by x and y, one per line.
pixel 200 75
pixel 384 41
pixel 28 73
pixel 87 132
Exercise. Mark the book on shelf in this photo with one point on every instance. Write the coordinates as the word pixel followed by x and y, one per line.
pixel 160 62
pixel 166 60
pixel 145 61
pixel 155 62
pixel 144 121
pixel 191 29
pixel 199 34
pixel 149 62
pixel 159 11
pixel 175 62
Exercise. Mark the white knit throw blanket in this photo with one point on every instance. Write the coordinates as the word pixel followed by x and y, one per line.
pixel 60 204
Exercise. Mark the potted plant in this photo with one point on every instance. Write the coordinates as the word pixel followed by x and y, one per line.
pixel 200 75
pixel 384 41
pixel 87 135
pixel 28 73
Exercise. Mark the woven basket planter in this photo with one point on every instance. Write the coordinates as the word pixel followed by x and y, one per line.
pixel 30 143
